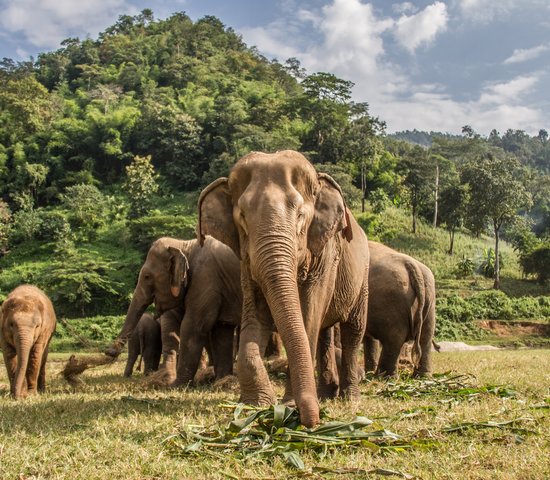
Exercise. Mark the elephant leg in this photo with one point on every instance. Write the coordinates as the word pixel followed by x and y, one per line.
pixel 327 370
pixel 197 323
pixel 371 351
pixel 170 327
pixel 151 357
pixel 352 333
pixel 42 373
pixel 10 360
pixel 133 354
pixel 34 366
pixel 256 327
pixel 424 366
pixel 387 366
pixel 222 345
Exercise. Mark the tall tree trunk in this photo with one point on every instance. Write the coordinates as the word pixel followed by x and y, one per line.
pixel 363 187
pixel 436 194
pixel 452 239
pixel 496 227
pixel 414 217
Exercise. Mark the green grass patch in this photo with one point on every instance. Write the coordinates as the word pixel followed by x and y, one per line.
pixel 112 427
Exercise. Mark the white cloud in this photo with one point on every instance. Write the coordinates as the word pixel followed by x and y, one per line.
pixel 404 7
pixel 523 55
pixel 421 28
pixel 509 92
pixel 44 23
pixel 350 43
pixel 485 10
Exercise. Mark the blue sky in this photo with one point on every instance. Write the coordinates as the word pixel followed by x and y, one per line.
pixel 430 65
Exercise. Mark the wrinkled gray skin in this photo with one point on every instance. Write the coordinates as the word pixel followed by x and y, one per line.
pixel 181 277
pixel 27 323
pixel 147 342
pixel 304 267
pixel 213 306
pixel 401 309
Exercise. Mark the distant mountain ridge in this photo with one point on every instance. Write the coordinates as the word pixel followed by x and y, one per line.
pixel 418 137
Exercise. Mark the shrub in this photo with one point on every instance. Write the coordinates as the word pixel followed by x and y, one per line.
pixel 87 207
pixel 464 268
pixel 53 225
pixel 5 226
pixel 144 231
pixel 537 263
pixel 26 225
pixel 487 266
pixel 379 200
pixel 78 281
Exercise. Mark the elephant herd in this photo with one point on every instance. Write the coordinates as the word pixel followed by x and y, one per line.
pixel 277 250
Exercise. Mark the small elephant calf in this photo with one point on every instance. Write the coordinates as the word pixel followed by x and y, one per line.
pixel 146 341
pixel 27 323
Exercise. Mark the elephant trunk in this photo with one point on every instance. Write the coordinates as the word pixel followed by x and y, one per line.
pixel 139 303
pixel 23 344
pixel 280 289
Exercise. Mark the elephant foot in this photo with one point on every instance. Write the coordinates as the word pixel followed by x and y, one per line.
pixel 327 392
pixel 422 374
pixel 177 384
pixel 259 399
pixel 350 393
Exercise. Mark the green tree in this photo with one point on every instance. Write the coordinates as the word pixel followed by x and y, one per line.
pixel 87 208
pixel 5 226
pixel 453 203
pixel 418 179
pixel 497 191
pixel 140 185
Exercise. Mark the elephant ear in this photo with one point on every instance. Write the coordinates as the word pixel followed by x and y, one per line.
pixel 331 215
pixel 178 270
pixel 216 215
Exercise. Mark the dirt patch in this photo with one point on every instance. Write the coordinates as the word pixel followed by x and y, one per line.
pixel 445 346
pixel 515 329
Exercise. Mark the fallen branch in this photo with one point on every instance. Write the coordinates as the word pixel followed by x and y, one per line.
pixel 74 367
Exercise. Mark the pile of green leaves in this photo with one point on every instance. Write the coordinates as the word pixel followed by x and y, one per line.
pixel 447 386
pixel 276 431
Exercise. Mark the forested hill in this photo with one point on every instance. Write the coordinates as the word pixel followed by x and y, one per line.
pixel 190 94
pixel 105 143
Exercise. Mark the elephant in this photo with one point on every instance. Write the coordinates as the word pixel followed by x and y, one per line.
pixel 401 309
pixel 181 278
pixel 304 267
pixel 147 342
pixel 27 323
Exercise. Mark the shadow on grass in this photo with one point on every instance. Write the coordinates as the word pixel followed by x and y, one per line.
pixel 106 397
pixel 515 287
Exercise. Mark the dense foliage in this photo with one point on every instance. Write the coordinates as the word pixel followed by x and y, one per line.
pixel 105 143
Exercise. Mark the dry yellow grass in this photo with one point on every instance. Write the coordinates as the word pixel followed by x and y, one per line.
pixel 111 427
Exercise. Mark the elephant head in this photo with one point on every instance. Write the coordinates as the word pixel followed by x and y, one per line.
pixel 162 279
pixel 276 213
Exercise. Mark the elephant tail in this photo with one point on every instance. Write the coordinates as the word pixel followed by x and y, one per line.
pixel 416 317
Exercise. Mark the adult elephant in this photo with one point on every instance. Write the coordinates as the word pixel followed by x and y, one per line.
pixel 304 266
pixel 27 323
pixel 401 309
pixel 181 277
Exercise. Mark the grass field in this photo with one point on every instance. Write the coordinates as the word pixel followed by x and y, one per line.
pixel 111 427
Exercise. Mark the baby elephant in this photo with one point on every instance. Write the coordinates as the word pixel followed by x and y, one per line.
pixel 27 323
pixel 147 342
